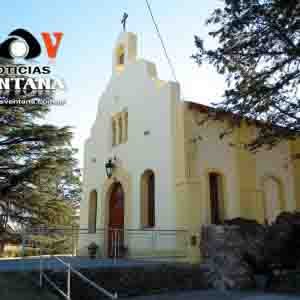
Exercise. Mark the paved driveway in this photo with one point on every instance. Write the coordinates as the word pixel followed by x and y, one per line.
pixel 217 295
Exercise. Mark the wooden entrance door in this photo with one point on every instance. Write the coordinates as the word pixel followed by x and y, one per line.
pixel 116 220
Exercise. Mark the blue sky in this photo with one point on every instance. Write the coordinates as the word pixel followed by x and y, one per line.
pixel 91 28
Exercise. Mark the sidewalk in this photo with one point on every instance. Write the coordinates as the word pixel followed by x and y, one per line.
pixel 217 295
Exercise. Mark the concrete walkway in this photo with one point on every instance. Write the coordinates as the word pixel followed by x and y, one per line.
pixel 217 295
pixel 33 264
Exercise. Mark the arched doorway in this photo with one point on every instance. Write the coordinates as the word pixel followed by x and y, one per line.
pixel 272 197
pixel 116 220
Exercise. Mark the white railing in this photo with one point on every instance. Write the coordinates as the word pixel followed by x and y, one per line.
pixel 173 243
pixel 70 270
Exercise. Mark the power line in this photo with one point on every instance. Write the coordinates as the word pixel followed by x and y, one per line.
pixel 161 40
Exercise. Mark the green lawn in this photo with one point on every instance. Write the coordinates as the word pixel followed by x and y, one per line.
pixel 16 286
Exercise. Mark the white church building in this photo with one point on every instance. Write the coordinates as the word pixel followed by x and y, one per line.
pixel 153 176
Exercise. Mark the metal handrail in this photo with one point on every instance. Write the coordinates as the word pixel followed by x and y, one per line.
pixel 96 286
pixel 52 283
pixel 83 277
pixel 80 275
pixel 55 287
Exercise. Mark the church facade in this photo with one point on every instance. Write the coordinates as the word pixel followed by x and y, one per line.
pixel 153 175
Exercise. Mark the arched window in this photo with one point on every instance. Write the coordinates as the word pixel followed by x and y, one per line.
pixel 120 56
pixel 92 212
pixel 125 126
pixel 148 199
pixel 272 198
pixel 216 195
pixel 120 129
pixel 114 132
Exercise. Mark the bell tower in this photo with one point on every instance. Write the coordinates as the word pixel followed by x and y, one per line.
pixel 125 51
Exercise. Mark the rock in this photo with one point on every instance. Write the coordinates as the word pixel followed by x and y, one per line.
pixel 285 282
pixel 253 235
pixel 223 258
pixel 279 249
pixel 282 241
pixel 292 218
pixel 236 252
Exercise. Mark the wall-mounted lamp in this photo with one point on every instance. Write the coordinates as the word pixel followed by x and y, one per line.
pixel 193 240
pixel 109 167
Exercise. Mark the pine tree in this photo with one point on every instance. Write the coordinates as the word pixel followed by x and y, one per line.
pixel 259 53
pixel 39 177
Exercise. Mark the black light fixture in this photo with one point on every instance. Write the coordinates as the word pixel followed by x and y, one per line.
pixel 109 166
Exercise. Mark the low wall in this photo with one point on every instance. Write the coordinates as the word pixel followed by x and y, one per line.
pixel 135 281
pixel 139 243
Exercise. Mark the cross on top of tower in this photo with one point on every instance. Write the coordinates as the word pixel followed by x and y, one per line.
pixel 124 20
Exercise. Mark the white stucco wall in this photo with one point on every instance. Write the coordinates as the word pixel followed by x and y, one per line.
pixel 150 104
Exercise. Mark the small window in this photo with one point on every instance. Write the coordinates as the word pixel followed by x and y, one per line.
pixel 114 132
pixel 120 130
pixel 126 126
pixel 121 59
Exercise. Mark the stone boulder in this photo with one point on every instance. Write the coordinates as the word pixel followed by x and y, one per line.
pixel 292 218
pixel 279 250
pixel 286 281
pixel 224 263
pixel 236 253
pixel 253 237
pixel 282 242
pixel 282 252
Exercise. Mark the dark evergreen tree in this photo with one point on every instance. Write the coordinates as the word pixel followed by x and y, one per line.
pixel 39 177
pixel 259 53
